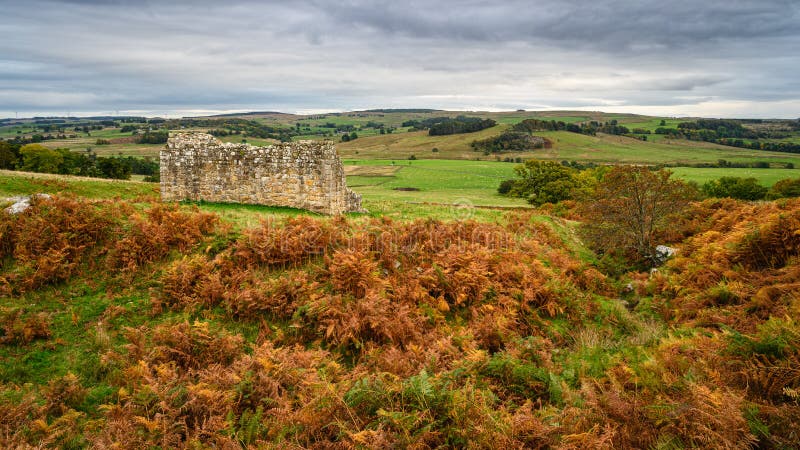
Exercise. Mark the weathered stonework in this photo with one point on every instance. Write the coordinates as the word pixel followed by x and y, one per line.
pixel 306 174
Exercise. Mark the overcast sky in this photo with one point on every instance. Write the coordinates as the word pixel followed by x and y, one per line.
pixel 714 58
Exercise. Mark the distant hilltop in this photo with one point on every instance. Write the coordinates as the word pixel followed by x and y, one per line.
pixel 250 113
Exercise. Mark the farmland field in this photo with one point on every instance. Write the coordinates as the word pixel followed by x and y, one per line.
pixel 434 181
pixel 766 177
pixel 401 144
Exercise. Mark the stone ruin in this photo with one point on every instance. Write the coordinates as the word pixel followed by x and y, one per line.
pixel 305 174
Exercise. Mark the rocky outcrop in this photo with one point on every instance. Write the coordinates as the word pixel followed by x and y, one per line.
pixel 21 204
pixel 305 174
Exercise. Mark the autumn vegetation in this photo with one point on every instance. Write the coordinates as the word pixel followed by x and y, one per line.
pixel 168 327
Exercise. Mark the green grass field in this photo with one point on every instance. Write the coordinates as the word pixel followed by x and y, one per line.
pixel 767 177
pixel 401 189
pixel 436 199
pixel 437 181
pixel 402 145
pixel 25 183
pixel 652 123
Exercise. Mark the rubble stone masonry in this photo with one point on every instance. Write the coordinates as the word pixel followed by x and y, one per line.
pixel 305 174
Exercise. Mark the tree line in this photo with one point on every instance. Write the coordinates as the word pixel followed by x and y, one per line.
pixel 250 128
pixel 543 182
pixel 441 126
pixel 590 128
pixel 509 141
pixel 731 133
pixel 719 131
pixel 38 158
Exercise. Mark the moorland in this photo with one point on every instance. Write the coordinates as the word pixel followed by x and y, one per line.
pixel 452 314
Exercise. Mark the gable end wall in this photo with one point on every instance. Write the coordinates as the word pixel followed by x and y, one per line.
pixel 305 174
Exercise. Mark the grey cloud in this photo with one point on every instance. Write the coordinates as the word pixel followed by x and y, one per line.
pixel 604 26
pixel 687 83
pixel 303 55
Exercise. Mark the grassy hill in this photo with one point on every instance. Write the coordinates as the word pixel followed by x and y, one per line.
pixel 401 144
pixel 566 146
pixel 126 322
pixel 447 317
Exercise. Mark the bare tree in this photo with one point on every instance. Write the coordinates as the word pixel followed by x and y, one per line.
pixel 630 208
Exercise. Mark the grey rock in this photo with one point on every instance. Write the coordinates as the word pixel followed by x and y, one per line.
pixel 664 251
pixel 21 204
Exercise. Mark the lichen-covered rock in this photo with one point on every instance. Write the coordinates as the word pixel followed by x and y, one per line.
pixel 305 174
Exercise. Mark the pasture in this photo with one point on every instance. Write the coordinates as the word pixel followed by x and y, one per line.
pixel 766 177
pixel 432 181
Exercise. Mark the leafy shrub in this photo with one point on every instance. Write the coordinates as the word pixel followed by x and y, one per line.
pixel 17 328
pixel 192 282
pixel 787 188
pixel 163 228
pixel 771 244
pixel 520 378
pixel 153 137
pixel 735 187
pixel 509 141
pixel 298 240
pixel 353 323
pixel 279 297
pixel 353 272
pixel 49 241
pixel 631 209
pixel 190 346
pixel 542 182
pixel 506 186
pixel 63 394
pixel 19 408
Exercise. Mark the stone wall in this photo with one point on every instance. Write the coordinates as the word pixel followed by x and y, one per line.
pixel 306 174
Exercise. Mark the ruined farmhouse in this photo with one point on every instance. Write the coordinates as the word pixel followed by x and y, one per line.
pixel 306 174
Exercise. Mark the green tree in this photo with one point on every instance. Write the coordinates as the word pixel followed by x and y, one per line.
pixel 630 210
pixel 735 187
pixel 153 137
pixel 38 158
pixel 506 186
pixel 73 163
pixel 542 182
pixel 114 168
pixel 9 155
pixel 790 187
